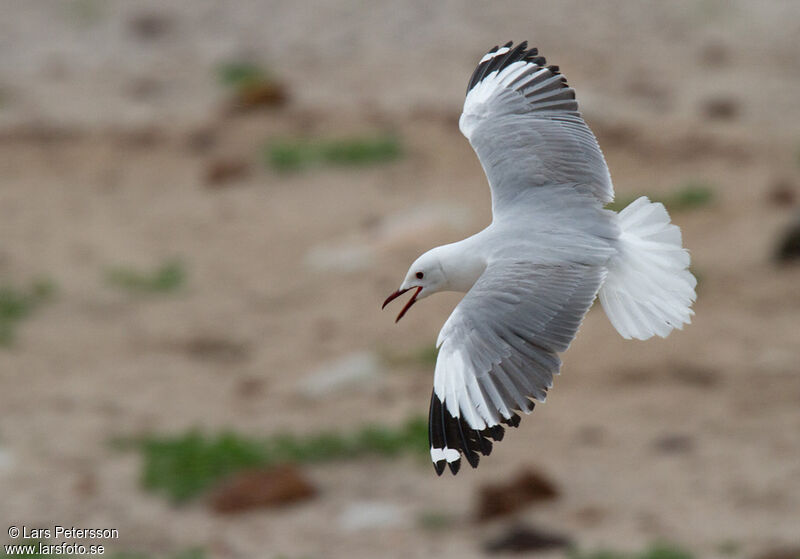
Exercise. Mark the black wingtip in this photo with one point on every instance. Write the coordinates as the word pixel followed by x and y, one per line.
pixel 497 433
pixel 448 433
pixel 513 421
pixel 455 465
pixel 473 459
pixel 500 61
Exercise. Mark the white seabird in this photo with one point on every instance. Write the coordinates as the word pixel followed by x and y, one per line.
pixel 532 274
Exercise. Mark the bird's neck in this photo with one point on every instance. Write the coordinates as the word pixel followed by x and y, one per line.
pixel 462 264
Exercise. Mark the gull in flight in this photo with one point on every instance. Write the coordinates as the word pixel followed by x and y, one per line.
pixel 532 274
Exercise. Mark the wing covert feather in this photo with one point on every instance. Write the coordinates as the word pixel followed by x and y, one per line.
pixel 498 350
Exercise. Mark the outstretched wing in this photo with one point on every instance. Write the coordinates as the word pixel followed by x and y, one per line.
pixel 498 353
pixel 522 120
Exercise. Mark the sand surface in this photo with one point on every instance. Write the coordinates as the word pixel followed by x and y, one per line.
pixel 100 166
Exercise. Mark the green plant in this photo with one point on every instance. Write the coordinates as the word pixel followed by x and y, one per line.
pixel 251 85
pixel 16 304
pixel 169 276
pixel 692 194
pixel 183 466
pixel 239 74
pixel 33 548
pixel 434 521
pixel 293 155
pixel 730 547
pixel 424 356
pixel 190 553
pixel 656 551
pixel 26 547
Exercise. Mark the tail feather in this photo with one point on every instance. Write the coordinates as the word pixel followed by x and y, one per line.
pixel 649 289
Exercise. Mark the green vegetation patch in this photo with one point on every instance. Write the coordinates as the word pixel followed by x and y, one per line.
pixel 657 551
pixel 25 547
pixel 241 74
pixel 251 85
pixel 183 466
pixel 17 304
pixel 40 549
pixel 423 356
pixel 169 276
pixel 191 553
pixel 690 195
pixel 297 154
pixel 435 521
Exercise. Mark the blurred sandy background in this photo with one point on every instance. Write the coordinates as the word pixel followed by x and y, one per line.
pixel 124 151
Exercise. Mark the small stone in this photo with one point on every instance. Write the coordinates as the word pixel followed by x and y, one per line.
pixel 526 488
pixel 344 258
pixel 149 26
pixel 200 140
pixel 591 435
pixel 714 54
pixel 354 371
pixel 694 375
pixel 250 387
pixel 371 516
pixel 590 516
pixel 144 137
pixel 413 223
pixel 85 485
pixel 674 444
pixel 216 349
pixel 6 460
pixel 273 487
pixel 144 89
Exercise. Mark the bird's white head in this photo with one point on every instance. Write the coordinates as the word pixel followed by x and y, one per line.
pixel 426 275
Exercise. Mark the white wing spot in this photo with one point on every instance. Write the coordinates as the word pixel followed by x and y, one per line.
pixel 451 454
pixel 490 55
pixel 448 454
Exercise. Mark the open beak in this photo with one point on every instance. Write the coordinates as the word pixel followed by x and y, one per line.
pixel 410 302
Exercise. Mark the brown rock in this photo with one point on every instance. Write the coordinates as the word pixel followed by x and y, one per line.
pixel 590 515
pixel 522 539
pixel 674 443
pixel 201 139
pixel 789 244
pixel 721 108
pixel 217 349
pixel 145 137
pixel 260 94
pixel 148 26
pixel 714 54
pixel 780 553
pixel 782 193
pixel 271 487
pixel 85 485
pixel 528 487
pixel 250 387
pixel 223 171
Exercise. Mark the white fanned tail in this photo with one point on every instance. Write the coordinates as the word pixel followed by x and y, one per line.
pixel 649 288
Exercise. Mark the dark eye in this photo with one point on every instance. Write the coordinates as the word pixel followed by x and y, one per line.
pixel 420 275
